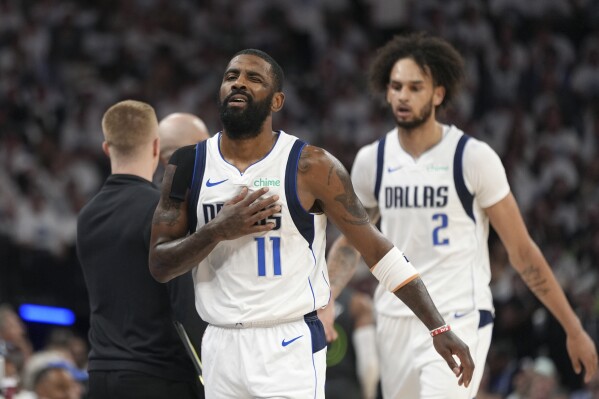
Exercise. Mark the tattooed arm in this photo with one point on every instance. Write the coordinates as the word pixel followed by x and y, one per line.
pixel 532 266
pixel 324 185
pixel 174 252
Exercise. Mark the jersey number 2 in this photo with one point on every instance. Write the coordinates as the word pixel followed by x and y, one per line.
pixel 444 220
pixel 276 255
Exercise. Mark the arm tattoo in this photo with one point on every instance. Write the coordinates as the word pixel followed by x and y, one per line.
pixel 329 176
pixel 304 164
pixel 535 281
pixel 343 268
pixel 348 199
pixel 350 202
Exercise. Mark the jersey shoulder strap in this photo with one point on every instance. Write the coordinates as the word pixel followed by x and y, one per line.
pixel 303 220
pixel 466 198
pixel 199 167
pixel 380 158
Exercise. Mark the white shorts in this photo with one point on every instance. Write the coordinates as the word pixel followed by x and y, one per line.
pixel 412 368
pixel 281 361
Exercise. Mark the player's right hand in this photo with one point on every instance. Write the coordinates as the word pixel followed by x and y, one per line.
pixel 448 344
pixel 240 215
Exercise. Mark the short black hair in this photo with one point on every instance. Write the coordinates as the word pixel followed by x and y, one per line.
pixel 275 69
pixel 445 64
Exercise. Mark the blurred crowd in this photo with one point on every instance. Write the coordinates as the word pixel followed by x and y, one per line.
pixel 531 92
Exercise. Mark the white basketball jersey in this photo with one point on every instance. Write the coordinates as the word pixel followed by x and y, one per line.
pixel 269 277
pixel 433 213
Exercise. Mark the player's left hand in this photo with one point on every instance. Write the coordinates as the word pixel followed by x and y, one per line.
pixel 448 344
pixel 583 353
pixel 327 317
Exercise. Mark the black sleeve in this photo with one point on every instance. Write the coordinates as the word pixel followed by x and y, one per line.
pixel 184 159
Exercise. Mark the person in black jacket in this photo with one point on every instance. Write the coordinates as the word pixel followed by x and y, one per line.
pixel 135 349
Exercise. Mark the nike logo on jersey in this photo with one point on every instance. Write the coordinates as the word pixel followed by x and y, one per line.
pixel 216 183
pixel 457 315
pixel 285 343
pixel 391 170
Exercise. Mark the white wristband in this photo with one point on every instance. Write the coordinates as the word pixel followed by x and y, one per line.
pixel 394 270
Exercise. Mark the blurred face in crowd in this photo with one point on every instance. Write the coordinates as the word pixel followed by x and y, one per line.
pixel 12 328
pixel 412 95
pixel 246 95
pixel 57 383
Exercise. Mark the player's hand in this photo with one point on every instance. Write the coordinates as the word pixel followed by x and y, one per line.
pixel 327 317
pixel 448 344
pixel 241 215
pixel 583 353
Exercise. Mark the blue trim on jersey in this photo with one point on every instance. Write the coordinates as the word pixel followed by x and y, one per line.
pixel 380 158
pixel 319 340
pixel 486 317
pixel 466 198
pixel 304 221
pixel 199 167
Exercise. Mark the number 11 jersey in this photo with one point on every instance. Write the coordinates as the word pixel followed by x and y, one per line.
pixel 265 278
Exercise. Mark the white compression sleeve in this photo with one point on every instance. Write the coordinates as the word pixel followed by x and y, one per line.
pixel 394 270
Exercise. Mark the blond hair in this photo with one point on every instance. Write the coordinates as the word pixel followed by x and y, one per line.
pixel 129 124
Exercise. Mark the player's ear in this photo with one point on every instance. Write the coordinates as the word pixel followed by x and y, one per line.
pixel 156 147
pixel 277 101
pixel 438 95
pixel 106 148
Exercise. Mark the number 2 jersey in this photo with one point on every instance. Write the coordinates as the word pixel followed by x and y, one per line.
pixel 269 277
pixel 432 208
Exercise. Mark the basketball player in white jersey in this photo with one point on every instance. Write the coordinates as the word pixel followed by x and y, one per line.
pixel 246 211
pixel 435 190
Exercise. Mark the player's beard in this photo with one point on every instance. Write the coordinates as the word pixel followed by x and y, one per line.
pixel 419 120
pixel 244 123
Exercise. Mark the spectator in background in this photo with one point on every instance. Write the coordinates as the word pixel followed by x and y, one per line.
pixel 71 344
pixel 34 382
pixel 55 382
pixel 14 332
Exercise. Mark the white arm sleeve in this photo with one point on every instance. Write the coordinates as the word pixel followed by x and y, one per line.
pixel 363 175
pixel 367 362
pixel 484 173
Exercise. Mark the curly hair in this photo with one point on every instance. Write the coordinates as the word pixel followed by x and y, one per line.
pixel 432 54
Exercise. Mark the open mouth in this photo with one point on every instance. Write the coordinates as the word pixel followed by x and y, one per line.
pixel 237 100
pixel 403 111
